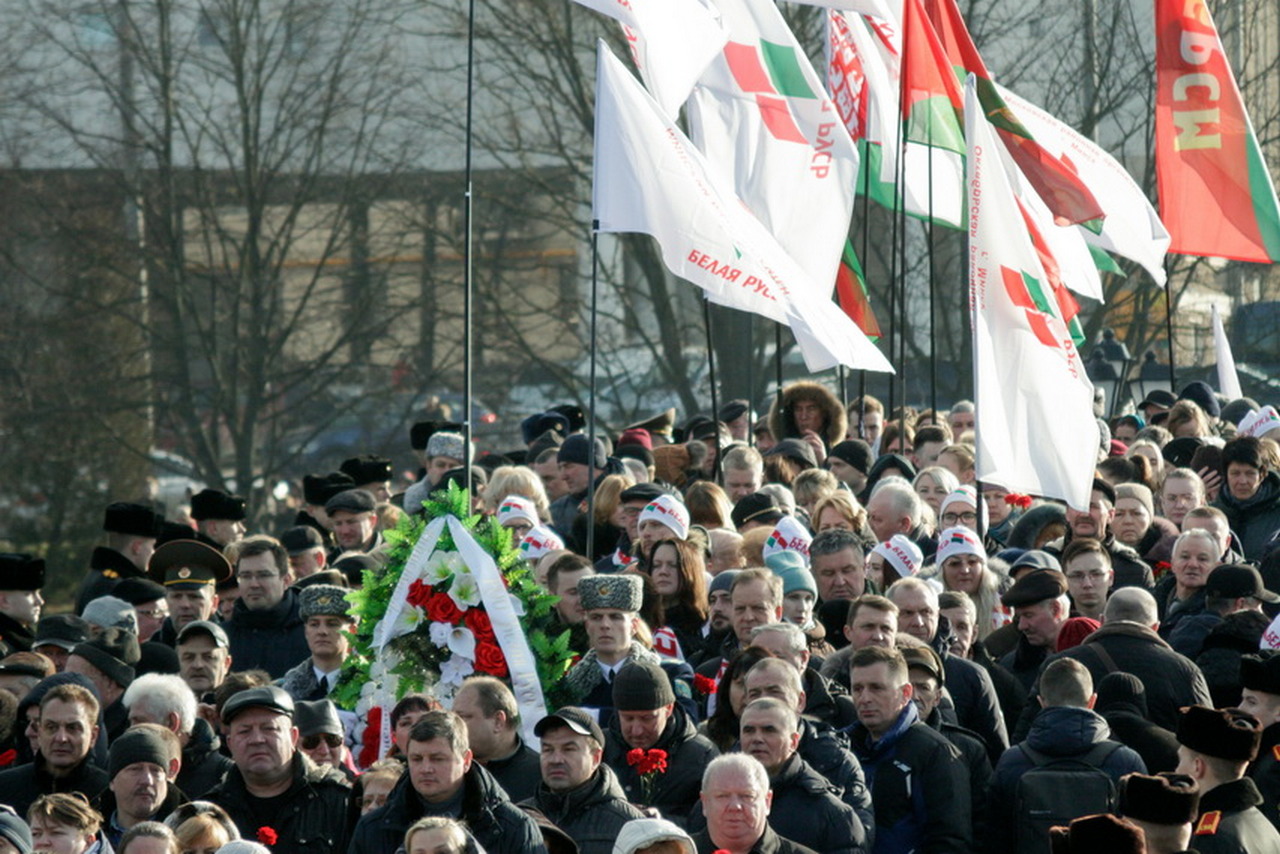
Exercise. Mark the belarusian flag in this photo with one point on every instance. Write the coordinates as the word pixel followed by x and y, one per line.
pixel 1036 432
pixel 1216 195
pixel 1061 189
pixel 762 118
pixel 851 291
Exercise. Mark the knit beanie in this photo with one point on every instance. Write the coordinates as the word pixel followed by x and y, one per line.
pixel 111 612
pixel 137 745
pixel 669 511
pixel 790 567
pixel 114 652
pixel 901 554
pixel 788 535
pixel 517 507
pixel 642 687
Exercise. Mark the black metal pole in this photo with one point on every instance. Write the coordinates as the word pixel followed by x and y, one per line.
pixel 1168 321
pixel 591 399
pixel 751 378
pixel 467 255
pixel 711 361
pixel 777 361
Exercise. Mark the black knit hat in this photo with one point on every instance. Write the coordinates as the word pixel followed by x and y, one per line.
pixel 577 449
pixel 139 744
pixel 131 519
pixel 1160 799
pixel 367 468
pixel 21 571
pixel 642 687
pixel 855 452
pixel 1261 672
pixel 216 504
pixel 1231 734
pixel 318 489
pixel 115 651
pixel 757 507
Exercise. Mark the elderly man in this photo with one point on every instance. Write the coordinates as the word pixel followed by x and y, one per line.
pixel 164 699
pixel 919 783
pixel 579 793
pixel 266 629
pixel 273 784
pixel 190 572
pixel 21 577
pixel 826 702
pixel 131 531
pixel 204 659
pixel 837 563
pixel 143 763
pixel 648 718
pixel 895 508
pixel 743 472
pixel 325 614
pixel 736 801
pixel 488 708
pixel 1040 608
pixel 65 732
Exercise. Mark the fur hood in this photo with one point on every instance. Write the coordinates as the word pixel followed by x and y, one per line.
pixel 783 425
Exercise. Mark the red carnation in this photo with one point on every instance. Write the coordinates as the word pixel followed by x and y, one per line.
pixel 489 659
pixel 704 684
pixel 478 621
pixel 442 609
pixel 635 756
pixel 419 594
pixel 721 851
pixel 267 836
pixel 655 762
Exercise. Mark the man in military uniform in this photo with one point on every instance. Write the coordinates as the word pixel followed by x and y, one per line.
pixel 219 517
pixel 325 613
pixel 1165 806
pixel 1260 678
pixel 131 538
pixel 316 491
pixel 21 576
pixel 1216 747
pixel 189 571
pixel 371 473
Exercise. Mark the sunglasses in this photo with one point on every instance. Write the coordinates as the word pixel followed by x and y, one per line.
pixel 311 742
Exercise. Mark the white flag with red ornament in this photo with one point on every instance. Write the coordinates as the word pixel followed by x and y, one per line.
pixel 672 42
pixel 762 118
pixel 1035 427
pixel 650 179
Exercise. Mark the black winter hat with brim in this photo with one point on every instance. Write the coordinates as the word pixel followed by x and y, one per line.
pixel 115 652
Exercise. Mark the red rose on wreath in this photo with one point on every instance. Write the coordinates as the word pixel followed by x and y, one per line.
pixel 267 836
pixel 704 684
pixel 478 621
pixel 442 609
pixel 419 594
pixel 489 659
pixel 371 740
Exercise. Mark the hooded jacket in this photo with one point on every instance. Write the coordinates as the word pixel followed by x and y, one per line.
pixel 310 818
pixel 273 639
pixel 592 813
pixel 782 422
pixel 1059 732
pixel 496 823
pixel 919 787
pixel 807 809
pixel 1256 519
pixel 676 790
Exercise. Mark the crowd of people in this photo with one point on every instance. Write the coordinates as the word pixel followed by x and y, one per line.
pixel 813 631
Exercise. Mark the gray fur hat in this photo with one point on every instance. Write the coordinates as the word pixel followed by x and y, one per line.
pixel 623 592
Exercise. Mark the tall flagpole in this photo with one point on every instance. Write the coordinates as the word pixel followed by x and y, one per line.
pixel 466 252
pixel 711 364
pixel 1168 322
pixel 591 399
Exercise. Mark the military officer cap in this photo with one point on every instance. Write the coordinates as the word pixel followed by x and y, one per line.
pixel 1231 734
pixel 1034 587
pixel 317 489
pixel 1261 672
pixel 367 468
pixel 132 520
pixel 216 504
pixel 188 565
pixel 661 424
pixel 323 600
pixel 622 592
pixel 21 571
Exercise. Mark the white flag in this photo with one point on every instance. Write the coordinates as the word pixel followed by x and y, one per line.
pixel 650 179
pixel 1132 227
pixel 761 116
pixel 672 42
pixel 1035 427
pixel 1228 381
pixel 878 8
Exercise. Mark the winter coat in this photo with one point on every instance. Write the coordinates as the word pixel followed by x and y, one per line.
pixel 827 701
pixel 827 751
pixel 97 754
pixel 273 639
pixel 676 790
pixel 1237 635
pixel 1059 732
pixel 1156 545
pixel 1172 681
pixel 783 424
pixel 311 817
pixel 592 814
pixel 300 682
pixel 518 774
pixel 1010 693
pixel 1131 726
pixel 1172 609
pixel 496 823
pixel 1265 773
pixel 1187 637
pixel 1230 822
pixel 19 787
pixel 107 568
pixel 807 809
pixel 769 843
pixel 919 787
pixel 1024 662
pixel 202 765
pixel 973 750
pixel 1254 520
pixel 976 704
pixel 14 636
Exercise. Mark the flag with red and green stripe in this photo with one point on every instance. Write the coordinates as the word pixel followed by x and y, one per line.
pixel 852 294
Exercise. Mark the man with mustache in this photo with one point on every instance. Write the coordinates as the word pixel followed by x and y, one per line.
pixel 143 764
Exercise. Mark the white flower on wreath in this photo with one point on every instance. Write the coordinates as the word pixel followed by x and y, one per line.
pixel 442 566
pixel 406 621
pixel 461 642
pixel 456 669
pixel 464 591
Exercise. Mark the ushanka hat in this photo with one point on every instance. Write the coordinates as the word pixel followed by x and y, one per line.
pixel 317 489
pixel 621 592
pixel 323 600
pixel 21 571
pixel 134 520
pixel 1261 672
pixel 1160 798
pixel 1231 734
pixel 367 468
pixel 216 504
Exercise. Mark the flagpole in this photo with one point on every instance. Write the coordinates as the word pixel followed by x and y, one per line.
pixel 711 365
pixel 933 289
pixel 591 399
pixel 467 281
pixel 751 379
pixel 1168 321
pixel 777 360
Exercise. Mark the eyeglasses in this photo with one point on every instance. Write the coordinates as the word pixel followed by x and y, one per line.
pixel 153 613
pixel 311 742
pixel 264 575
pixel 953 518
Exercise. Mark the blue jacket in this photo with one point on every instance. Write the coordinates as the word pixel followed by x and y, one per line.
pixel 919 788
pixel 1059 732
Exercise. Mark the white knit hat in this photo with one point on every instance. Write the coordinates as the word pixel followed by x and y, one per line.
pixel 902 554
pixel 668 510
pixel 643 832
pixel 959 541
pixel 789 535
pixel 517 507
pixel 538 542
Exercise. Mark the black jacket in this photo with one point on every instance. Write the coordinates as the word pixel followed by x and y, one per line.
pixel 676 790
pixel 769 843
pixel 107 568
pixel 976 704
pixel 827 752
pixel 1130 725
pixel 517 774
pixel 807 809
pixel 311 817
pixel 14 636
pixel 827 701
pixel 497 824
pixel 19 787
pixel 1024 662
pixel 1265 773
pixel 1230 822
pixel 203 766
pixel 1236 636
pixel 273 639
pixel 592 814
pixel 1172 681
pixel 1010 693
pixel 1255 520
pixel 973 750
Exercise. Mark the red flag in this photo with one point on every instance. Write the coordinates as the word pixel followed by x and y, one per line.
pixel 1053 179
pixel 931 100
pixel 851 291
pixel 1216 196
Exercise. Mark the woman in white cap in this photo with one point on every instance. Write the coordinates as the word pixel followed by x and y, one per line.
pixel 897 557
pixel 652 836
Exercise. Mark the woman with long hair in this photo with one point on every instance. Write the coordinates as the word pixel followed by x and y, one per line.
pixel 679 575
